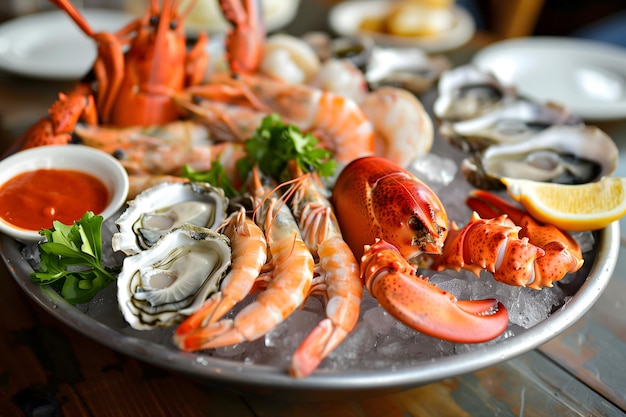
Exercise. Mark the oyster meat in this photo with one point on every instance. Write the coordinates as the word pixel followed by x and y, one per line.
pixel 467 92
pixel 164 284
pixel 561 154
pixel 408 68
pixel 476 110
pixel 512 122
pixel 158 210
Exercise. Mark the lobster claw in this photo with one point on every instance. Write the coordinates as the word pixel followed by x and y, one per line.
pixel 424 307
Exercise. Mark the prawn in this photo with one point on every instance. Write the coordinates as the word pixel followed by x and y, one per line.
pixel 337 121
pixel 156 154
pixel 404 130
pixel 249 254
pixel 292 276
pixel 338 281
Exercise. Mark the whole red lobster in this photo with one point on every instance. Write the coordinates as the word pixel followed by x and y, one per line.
pixel 139 68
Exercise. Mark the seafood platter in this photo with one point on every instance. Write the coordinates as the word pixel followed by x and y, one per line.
pixel 353 267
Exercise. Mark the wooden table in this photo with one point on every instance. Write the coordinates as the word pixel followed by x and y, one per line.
pixel 48 369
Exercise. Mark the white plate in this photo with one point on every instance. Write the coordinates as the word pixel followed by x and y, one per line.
pixel 346 17
pixel 587 77
pixel 49 45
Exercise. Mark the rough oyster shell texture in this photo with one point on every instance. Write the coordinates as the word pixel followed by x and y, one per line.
pixel 476 111
pixel 158 210
pixel 511 136
pixel 162 285
pixel 561 154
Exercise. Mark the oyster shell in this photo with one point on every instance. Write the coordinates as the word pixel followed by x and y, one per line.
pixel 467 92
pixel 408 68
pixel 561 154
pixel 162 285
pixel 511 122
pixel 476 110
pixel 158 210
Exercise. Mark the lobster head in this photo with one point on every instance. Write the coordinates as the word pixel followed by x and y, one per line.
pixel 376 199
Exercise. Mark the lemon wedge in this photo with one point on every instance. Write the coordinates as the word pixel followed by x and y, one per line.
pixel 574 208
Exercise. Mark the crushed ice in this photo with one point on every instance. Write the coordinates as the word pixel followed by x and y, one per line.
pixel 379 341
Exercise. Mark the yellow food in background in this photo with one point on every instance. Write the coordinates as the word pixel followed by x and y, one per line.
pixel 590 206
pixel 413 18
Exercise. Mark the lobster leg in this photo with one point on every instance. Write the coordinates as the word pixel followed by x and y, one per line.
pixel 109 64
pixel 562 252
pixel 63 116
pixel 422 306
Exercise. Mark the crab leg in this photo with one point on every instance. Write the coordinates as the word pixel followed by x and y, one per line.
pixel 424 307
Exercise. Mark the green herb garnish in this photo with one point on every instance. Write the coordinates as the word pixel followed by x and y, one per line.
pixel 271 147
pixel 71 259
pixel 274 144
pixel 215 176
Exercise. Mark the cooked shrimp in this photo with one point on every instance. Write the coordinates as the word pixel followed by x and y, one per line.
pixel 403 129
pixel 249 254
pixel 156 150
pixel 338 281
pixel 289 286
pixel 336 120
pixel 289 58
pixel 341 76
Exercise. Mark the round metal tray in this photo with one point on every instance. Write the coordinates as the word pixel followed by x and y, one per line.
pixel 108 328
pixel 249 379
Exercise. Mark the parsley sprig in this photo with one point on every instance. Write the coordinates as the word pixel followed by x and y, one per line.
pixel 272 146
pixel 71 259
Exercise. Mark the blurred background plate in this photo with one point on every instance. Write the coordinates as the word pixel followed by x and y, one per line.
pixel 346 17
pixel 49 45
pixel 587 77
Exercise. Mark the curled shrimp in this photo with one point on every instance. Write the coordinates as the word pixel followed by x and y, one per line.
pixel 155 154
pixel 289 58
pixel 154 150
pixel 338 281
pixel 249 254
pixel 291 280
pixel 336 120
pixel 341 76
pixel 404 130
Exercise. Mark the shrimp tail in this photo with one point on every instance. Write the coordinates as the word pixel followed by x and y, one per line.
pixel 221 333
pixel 211 311
pixel 315 347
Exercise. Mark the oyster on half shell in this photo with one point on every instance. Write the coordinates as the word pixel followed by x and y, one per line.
pixel 408 68
pixel 467 92
pixel 164 284
pixel 476 110
pixel 512 122
pixel 561 154
pixel 158 210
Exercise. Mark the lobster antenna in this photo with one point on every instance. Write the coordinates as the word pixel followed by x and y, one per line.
pixel 154 6
pixel 188 9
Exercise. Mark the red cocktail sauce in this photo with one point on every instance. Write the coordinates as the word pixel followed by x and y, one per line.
pixel 32 200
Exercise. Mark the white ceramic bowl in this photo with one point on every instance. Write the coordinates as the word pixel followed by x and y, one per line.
pixel 76 157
